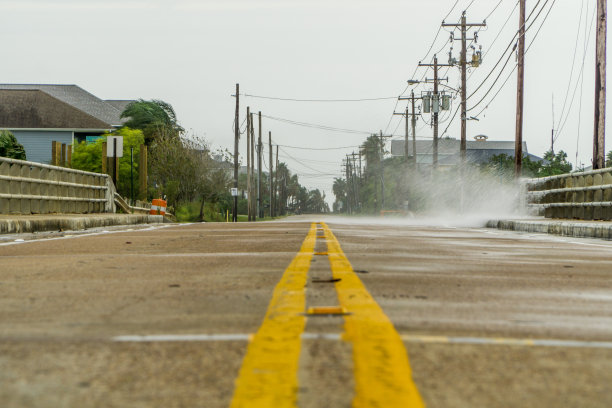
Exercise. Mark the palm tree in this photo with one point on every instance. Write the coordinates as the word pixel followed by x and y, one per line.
pixel 153 117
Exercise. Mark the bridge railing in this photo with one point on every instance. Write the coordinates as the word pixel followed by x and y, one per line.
pixel 36 188
pixel 583 195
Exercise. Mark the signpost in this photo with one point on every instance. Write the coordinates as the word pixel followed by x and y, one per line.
pixel 114 149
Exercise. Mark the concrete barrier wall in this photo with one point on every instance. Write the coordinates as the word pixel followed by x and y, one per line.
pixel 583 195
pixel 36 188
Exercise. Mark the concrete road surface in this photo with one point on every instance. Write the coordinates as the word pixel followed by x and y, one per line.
pixel 308 312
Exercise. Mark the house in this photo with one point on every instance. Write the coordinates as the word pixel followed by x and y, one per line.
pixel 478 151
pixel 38 114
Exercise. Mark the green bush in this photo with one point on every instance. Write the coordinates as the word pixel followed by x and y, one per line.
pixel 88 157
pixel 10 147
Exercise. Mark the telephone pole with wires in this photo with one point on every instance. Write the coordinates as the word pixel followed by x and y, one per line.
pixel 518 142
pixel 413 120
pixel 435 102
pixel 236 139
pixel 259 186
pixel 599 153
pixel 476 61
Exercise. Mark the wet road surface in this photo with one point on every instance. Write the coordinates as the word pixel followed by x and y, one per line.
pixel 208 315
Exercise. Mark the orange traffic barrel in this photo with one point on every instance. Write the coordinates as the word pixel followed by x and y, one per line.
pixel 158 207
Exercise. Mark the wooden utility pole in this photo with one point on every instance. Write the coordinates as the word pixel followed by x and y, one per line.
pixel 382 172
pixel 599 152
pixel 236 139
pixel 277 210
pixel 414 151
pixel 413 120
pixel 252 190
pixel 518 140
pixel 271 177
pixel 464 26
pixel 248 132
pixel 435 105
pixel 259 186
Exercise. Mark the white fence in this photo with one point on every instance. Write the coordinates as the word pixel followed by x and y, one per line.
pixel 35 188
pixel 583 195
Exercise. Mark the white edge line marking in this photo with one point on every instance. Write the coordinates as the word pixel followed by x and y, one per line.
pixel 408 338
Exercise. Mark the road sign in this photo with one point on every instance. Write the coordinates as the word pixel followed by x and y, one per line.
pixel 234 192
pixel 110 146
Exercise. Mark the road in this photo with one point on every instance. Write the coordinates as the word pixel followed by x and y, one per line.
pixel 216 315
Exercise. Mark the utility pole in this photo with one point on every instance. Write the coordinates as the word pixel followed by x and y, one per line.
pixel 356 182
pixel 276 200
pixel 252 192
pixel 236 139
pixel 382 172
pixel 413 120
pixel 248 132
pixel 476 60
pixel 348 185
pixel 435 105
pixel 271 177
pixel 259 189
pixel 518 140
pixel 599 153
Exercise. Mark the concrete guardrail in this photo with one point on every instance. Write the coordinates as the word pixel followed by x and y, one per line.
pixel 583 195
pixel 36 188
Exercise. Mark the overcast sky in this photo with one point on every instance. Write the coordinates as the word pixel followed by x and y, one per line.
pixel 192 53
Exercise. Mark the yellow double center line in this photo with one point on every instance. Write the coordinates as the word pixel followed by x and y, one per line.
pixel 268 377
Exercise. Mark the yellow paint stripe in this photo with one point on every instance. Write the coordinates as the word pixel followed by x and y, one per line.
pixel 383 377
pixel 269 373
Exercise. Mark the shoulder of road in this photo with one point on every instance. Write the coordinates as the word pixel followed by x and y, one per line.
pixel 17 224
pixel 564 227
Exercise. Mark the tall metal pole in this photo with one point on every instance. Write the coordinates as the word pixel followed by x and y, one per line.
pixel 236 139
pixel 518 140
pixel 463 145
pixel 259 187
pixel 599 152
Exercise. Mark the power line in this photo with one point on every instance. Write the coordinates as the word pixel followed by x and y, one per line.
pixel 510 54
pixel 320 100
pixel 317 126
pixel 513 69
pixel 319 148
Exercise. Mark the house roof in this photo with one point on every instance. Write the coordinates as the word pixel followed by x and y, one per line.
pixel 120 104
pixel 451 146
pixel 35 109
pixel 78 98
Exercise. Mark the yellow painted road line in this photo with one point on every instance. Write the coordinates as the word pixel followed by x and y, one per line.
pixel 269 373
pixel 383 377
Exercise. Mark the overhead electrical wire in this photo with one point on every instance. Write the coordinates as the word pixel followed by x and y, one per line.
pixel 321 100
pixel 319 148
pixel 510 54
pixel 588 40
pixel 581 89
pixel 317 126
pixel 569 82
pixel 515 66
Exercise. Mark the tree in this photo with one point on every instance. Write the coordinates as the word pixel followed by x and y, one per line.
pixel 88 156
pixel 153 117
pixel 557 164
pixel 10 147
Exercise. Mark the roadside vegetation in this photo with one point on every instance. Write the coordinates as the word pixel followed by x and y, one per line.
pixel 194 179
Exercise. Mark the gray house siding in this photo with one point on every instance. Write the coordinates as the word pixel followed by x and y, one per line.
pixel 37 144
